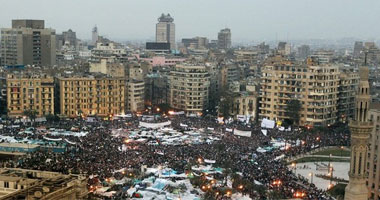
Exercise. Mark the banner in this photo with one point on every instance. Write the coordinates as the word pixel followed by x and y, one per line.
pixel 266 123
pixel 52 139
pixel 242 133
pixel 154 125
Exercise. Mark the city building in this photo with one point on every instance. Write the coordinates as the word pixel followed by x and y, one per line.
pixel 108 67
pixel 95 36
pixel 135 95
pixel 108 50
pixel 28 42
pixel 322 56
pixel 245 104
pixel 315 86
pixel 30 92
pixel 135 87
pixel 224 39
pixel 284 48
pixel 189 88
pixel 195 43
pixel 91 95
pixel 303 51
pixel 33 184
pixel 70 37
pixel 156 89
pixel 361 128
pixel 162 61
pixel 348 83
pixel 165 30
pixel 158 47
pixel 358 48
pixel 373 182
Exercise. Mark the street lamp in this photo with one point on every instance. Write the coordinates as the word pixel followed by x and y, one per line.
pixel 294 165
pixel 311 177
pixel 341 151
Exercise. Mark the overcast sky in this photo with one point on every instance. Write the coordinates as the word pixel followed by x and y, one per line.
pixel 250 20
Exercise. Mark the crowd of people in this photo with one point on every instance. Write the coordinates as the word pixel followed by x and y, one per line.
pixel 99 152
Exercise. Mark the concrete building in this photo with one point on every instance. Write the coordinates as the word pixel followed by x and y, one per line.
pixel 156 89
pixel 95 36
pixel 284 48
pixel 373 182
pixel 315 86
pixel 135 95
pixel 245 103
pixel 358 48
pixel 361 128
pixel 70 37
pixel 162 61
pixel 30 92
pixel 348 83
pixel 90 95
pixel 322 56
pixel 303 51
pixel 195 43
pixel 189 88
pixel 33 184
pixel 165 30
pixel 224 39
pixel 28 42
pixel 108 67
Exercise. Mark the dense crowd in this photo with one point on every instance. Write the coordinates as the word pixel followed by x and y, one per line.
pixel 99 153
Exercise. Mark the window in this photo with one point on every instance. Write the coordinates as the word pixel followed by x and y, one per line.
pixel 6 184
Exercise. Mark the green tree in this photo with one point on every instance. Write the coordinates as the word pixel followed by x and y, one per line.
pixel 292 111
pixel 31 114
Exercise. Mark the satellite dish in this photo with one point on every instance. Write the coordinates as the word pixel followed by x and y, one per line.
pixel 45 189
pixel 38 194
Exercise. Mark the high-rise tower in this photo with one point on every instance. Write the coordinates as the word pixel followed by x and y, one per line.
pixel 361 129
pixel 95 35
pixel 28 42
pixel 165 30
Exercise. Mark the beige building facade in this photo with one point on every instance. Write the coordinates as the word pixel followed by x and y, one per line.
pixel 315 86
pixel 33 184
pixel 30 92
pixel 91 95
pixel 189 88
pixel 135 95
pixel 245 103
pixel 108 67
pixel 373 181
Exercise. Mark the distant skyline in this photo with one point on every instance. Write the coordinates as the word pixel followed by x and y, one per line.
pixel 249 20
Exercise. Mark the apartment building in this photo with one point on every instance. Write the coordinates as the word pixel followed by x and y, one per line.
pixel 34 184
pixel 91 95
pixel 135 95
pixel 189 88
pixel 28 42
pixel 373 181
pixel 315 86
pixel 348 83
pixel 30 92
pixel 245 103
pixel 108 67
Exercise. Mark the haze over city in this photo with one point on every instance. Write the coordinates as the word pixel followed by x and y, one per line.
pixel 249 20
pixel 189 99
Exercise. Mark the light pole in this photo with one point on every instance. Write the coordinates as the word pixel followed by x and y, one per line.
pixel 311 177
pixel 294 165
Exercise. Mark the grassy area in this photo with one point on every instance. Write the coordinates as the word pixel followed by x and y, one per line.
pixel 334 152
pixel 321 159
